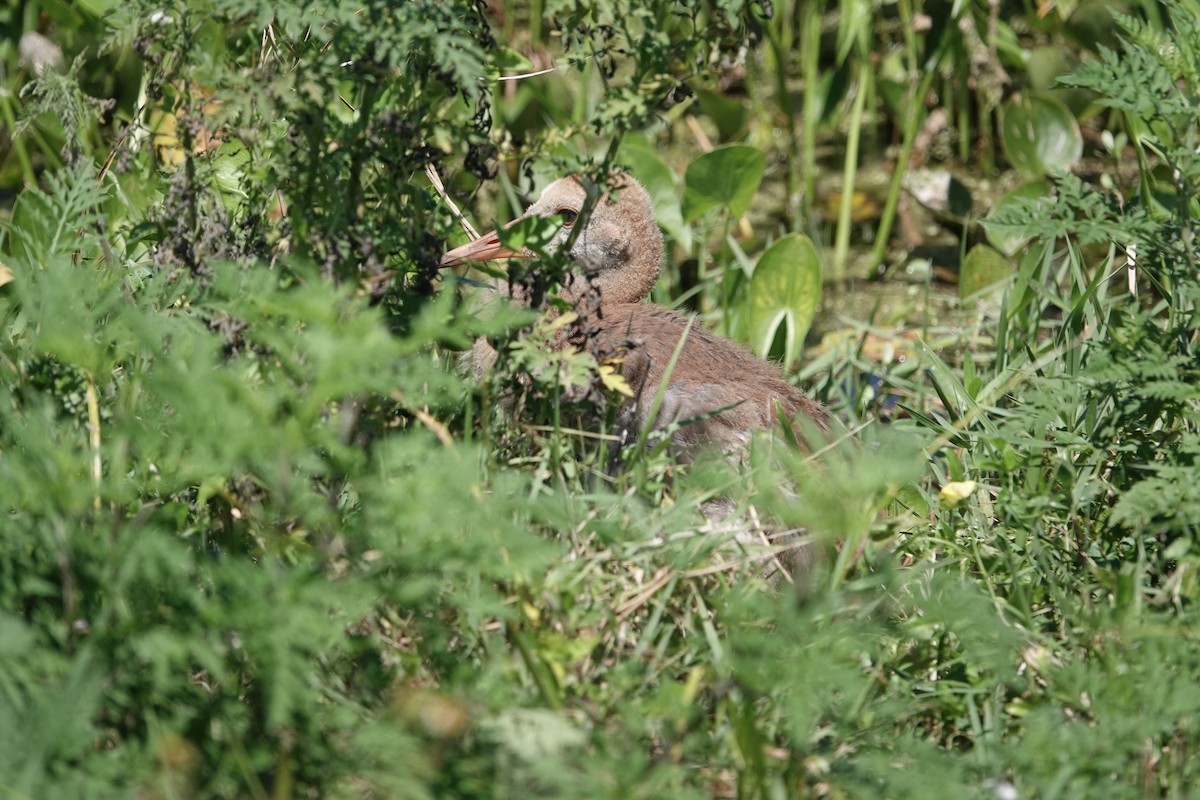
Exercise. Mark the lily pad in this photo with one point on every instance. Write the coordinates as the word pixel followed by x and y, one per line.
pixel 1005 239
pixel 982 269
pixel 1044 66
pixel 726 178
pixel 1040 135
pixel 784 290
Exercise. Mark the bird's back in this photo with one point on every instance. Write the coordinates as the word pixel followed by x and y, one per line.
pixel 725 388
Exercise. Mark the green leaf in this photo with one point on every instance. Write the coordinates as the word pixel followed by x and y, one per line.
pixel 663 187
pixel 981 269
pixel 1006 239
pixel 727 178
pixel 533 734
pixel 728 114
pixel 532 232
pixel 1040 135
pixel 505 62
pixel 1044 67
pixel 854 28
pixel 784 290
pixel 229 171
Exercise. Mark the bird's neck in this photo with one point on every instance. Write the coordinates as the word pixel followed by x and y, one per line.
pixel 627 286
pixel 623 268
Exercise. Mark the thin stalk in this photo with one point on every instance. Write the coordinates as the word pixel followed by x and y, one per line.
pixel 93 412
pixel 964 121
pixel 536 7
pixel 905 9
pixel 912 125
pixel 354 187
pixel 810 37
pixel 580 109
pixel 510 20
pixel 1144 187
pixel 556 450
pixel 469 419
pixel 841 245
pixel 18 144
pixel 779 37
pixel 726 282
pixel 782 25
pixel 542 677
pixel 987 144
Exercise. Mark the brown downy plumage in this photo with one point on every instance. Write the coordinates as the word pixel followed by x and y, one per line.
pixel 725 388
pixel 719 391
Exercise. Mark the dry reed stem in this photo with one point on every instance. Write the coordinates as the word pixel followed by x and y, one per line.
pixel 440 188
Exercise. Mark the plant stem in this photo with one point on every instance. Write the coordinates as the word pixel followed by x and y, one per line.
pixel 779 55
pixel 93 412
pixel 912 124
pixel 841 246
pixel 964 121
pixel 541 675
pixel 18 143
pixel 810 37
pixel 727 282
pixel 536 7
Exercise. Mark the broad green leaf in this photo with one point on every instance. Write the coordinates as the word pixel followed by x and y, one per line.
pixel 531 232
pixel 784 290
pixel 663 187
pixel 1040 135
pixel 1044 67
pixel 982 268
pixel 1005 239
pixel 727 178
pixel 1092 21
pixel 728 114
pixel 229 171
pixel 97 8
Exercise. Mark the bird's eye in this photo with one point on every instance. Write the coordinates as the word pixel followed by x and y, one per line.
pixel 568 216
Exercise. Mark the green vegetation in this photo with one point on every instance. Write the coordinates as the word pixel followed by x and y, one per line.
pixel 261 538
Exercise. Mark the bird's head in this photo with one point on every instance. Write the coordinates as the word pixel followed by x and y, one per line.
pixel 617 244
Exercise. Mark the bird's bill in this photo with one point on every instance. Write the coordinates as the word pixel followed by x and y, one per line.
pixel 485 248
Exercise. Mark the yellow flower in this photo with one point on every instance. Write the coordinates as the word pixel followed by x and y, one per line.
pixel 955 492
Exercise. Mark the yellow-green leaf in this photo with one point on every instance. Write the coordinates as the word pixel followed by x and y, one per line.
pixel 614 380
pixel 982 269
pixel 784 290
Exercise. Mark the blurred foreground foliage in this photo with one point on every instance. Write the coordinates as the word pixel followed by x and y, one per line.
pixel 262 539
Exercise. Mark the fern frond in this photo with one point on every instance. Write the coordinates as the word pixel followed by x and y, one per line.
pixel 61 219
